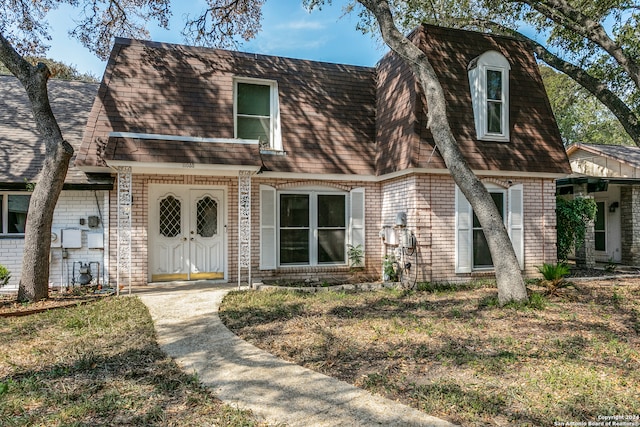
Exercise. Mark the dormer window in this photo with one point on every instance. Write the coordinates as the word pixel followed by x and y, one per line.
pixel 489 83
pixel 256 112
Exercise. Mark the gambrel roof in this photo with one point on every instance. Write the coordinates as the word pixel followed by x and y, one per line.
pixel 173 104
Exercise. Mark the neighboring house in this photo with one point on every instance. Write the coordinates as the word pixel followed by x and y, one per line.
pixel 243 167
pixel 83 197
pixel 611 175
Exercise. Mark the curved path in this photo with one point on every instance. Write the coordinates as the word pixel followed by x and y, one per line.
pixel 279 392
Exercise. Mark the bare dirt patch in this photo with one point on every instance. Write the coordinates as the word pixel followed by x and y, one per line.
pixel 454 353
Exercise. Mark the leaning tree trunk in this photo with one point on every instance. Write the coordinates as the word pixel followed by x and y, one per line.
pixel 509 279
pixel 34 282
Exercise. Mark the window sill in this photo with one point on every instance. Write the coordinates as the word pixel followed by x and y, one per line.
pixel 272 152
pixel 12 236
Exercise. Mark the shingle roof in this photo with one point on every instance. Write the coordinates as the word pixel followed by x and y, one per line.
pixel 327 111
pixel 335 118
pixel 21 148
pixel 535 144
pixel 629 155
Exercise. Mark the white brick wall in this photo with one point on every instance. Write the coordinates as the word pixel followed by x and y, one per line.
pixel 71 207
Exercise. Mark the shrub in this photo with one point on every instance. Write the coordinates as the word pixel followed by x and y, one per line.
pixel 572 217
pixel 554 276
pixel 5 275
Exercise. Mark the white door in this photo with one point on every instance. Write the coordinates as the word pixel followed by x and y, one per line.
pixel 186 234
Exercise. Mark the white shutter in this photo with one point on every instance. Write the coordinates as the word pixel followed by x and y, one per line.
pixel 464 233
pixel 267 228
pixel 357 218
pixel 516 221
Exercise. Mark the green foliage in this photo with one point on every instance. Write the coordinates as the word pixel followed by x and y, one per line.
pixel 355 255
pixel 59 70
pixel 572 217
pixel 388 268
pixel 580 116
pixel 5 275
pixel 554 275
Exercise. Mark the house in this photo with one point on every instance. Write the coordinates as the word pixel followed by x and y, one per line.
pixel 611 175
pixel 243 167
pixel 79 217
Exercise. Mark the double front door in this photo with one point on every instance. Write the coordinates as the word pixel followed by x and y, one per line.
pixel 186 233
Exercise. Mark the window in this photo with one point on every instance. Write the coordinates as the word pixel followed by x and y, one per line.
pixel 309 227
pixel 13 215
pixel 489 84
pixel 472 250
pixel 481 254
pixel 600 230
pixel 257 112
pixel 312 229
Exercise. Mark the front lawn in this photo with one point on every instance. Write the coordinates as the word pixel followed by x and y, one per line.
pixel 452 352
pixel 99 365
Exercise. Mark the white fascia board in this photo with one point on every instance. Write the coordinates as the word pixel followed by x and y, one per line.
pixel 182 168
pixel 183 138
pixel 481 173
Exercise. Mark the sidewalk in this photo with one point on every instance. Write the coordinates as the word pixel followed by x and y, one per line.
pixel 281 393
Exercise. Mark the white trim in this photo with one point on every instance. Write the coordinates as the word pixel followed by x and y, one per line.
pixel 231 170
pixel 477 74
pixel 275 134
pixel 184 138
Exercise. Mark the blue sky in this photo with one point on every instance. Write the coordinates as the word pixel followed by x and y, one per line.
pixel 287 30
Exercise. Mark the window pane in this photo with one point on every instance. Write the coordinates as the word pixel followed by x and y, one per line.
pixel 331 211
pixel 254 128
pixel 170 217
pixel 494 85
pixel 599 222
pixel 294 246
pixel 481 254
pixel 331 246
pixel 294 210
pixel 601 241
pixel 494 117
pixel 17 212
pixel 254 99
pixel 498 199
pixel 207 217
pixel 1 215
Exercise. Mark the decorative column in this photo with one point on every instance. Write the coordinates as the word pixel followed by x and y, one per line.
pixel 244 224
pixel 630 224
pixel 123 265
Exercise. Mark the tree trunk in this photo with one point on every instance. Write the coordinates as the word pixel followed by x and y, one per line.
pixel 34 282
pixel 509 279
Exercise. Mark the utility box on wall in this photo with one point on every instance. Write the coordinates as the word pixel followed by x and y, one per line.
pixel 71 238
pixel 95 240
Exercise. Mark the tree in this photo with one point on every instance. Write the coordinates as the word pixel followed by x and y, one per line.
pixel 59 70
pixel 604 62
pixel 24 31
pixel 509 279
pixel 580 116
pixel 217 25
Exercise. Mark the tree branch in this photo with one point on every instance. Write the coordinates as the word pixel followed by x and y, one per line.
pixel 564 14
pixel 627 118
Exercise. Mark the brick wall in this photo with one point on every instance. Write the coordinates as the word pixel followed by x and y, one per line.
pixel 71 207
pixel 428 201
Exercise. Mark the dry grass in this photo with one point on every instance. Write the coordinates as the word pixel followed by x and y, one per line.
pixel 98 365
pixel 454 353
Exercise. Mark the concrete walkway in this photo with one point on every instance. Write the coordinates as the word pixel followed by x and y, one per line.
pixel 189 330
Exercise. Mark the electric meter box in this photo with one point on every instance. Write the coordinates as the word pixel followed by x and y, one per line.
pixel 56 238
pixel 71 238
pixel 95 240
